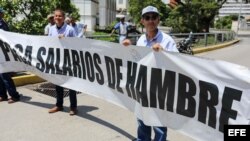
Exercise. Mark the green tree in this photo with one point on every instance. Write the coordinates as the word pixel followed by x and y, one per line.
pixel 29 16
pixel 225 22
pixel 186 16
pixel 194 15
pixel 136 6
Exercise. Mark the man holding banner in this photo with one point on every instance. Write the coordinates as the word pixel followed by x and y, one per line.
pixel 61 29
pixel 158 41
pixel 6 82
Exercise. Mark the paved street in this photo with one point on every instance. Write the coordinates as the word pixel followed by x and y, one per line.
pixel 237 53
pixel 97 120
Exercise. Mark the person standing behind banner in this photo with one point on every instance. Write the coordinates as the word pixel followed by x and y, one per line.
pixel 60 30
pixel 82 29
pixel 79 28
pixel 157 40
pixel 72 22
pixel 51 21
pixel 67 20
pixel 122 28
pixel 6 82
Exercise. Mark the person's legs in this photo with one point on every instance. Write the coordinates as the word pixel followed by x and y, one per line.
pixel 10 86
pixel 59 100
pixel 121 38
pixel 3 92
pixel 59 96
pixel 73 102
pixel 72 98
pixel 143 131
pixel 160 133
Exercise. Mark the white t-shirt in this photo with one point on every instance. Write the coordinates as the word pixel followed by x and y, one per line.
pixel 46 29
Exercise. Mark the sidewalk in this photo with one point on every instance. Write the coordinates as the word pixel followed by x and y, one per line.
pixel 213 47
pixel 98 120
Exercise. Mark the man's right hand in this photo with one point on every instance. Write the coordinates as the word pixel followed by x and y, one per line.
pixel 126 42
pixel 60 36
pixel 157 47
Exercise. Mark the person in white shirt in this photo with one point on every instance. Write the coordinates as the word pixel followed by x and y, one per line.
pixel 158 41
pixel 122 28
pixel 62 29
pixel 79 28
pixel 51 21
pixel 82 29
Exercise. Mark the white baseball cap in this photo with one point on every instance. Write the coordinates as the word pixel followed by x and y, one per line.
pixel 149 9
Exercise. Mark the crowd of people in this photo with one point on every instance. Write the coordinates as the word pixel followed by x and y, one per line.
pixel 79 28
pixel 61 26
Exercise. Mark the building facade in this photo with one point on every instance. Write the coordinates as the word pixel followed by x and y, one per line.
pixel 239 8
pixel 96 12
pixel 122 6
pixel 235 7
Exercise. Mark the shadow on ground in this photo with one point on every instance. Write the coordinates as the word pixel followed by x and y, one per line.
pixel 83 112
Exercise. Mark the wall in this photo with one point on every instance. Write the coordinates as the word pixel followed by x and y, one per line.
pixel 96 12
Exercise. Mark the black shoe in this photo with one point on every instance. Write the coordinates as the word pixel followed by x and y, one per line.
pixel 12 100
pixel 3 99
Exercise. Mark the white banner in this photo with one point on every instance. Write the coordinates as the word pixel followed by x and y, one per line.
pixel 195 96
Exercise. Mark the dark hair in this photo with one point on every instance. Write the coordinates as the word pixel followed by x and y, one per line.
pixel 59 10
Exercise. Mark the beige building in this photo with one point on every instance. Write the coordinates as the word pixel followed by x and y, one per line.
pixel 239 8
pixel 235 7
pixel 122 7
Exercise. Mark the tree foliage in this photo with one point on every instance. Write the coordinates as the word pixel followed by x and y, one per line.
pixel 186 16
pixel 30 16
pixel 225 22
pixel 194 15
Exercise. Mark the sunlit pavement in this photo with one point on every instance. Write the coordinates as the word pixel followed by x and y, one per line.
pixel 98 120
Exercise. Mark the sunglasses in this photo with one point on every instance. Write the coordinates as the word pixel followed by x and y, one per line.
pixel 147 17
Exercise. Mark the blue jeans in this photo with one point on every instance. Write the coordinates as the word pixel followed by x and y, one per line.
pixel 59 97
pixel 7 84
pixel 144 132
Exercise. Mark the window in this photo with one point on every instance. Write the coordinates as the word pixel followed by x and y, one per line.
pixel 120 1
